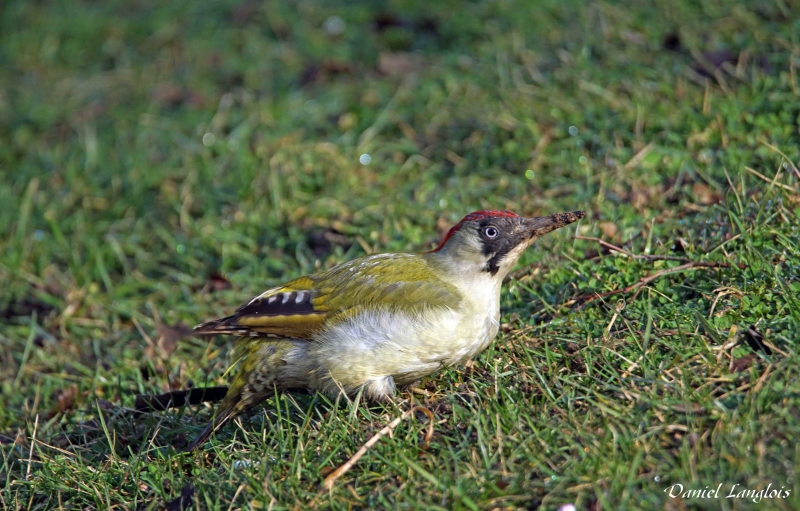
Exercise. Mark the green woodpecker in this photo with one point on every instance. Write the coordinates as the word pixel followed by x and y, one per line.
pixel 379 321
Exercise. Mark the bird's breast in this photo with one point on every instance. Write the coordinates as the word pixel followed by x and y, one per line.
pixel 406 346
pixel 479 323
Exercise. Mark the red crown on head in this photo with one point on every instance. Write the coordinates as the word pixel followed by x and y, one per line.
pixel 475 216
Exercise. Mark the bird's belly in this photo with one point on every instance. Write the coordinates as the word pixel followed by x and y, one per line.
pixel 375 345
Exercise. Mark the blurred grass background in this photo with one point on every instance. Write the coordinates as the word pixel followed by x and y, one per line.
pixel 161 163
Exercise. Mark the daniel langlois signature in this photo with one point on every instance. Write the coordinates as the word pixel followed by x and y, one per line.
pixel 736 491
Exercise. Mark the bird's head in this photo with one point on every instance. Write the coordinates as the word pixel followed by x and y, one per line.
pixel 492 241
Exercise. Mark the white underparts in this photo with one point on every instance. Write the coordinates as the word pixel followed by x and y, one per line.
pixel 380 349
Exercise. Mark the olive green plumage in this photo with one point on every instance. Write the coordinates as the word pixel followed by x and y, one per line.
pixel 404 282
pixel 393 282
pixel 378 321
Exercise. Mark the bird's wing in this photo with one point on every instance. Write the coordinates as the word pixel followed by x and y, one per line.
pixel 284 311
pixel 301 307
pixel 384 281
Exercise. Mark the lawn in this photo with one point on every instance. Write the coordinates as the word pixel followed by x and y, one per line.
pixel 163 162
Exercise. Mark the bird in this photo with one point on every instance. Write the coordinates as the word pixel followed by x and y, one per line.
pixel 377 322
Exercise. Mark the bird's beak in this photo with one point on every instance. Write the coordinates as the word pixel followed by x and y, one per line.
pixel 532 228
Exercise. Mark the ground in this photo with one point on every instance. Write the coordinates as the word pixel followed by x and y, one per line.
pixel 163 162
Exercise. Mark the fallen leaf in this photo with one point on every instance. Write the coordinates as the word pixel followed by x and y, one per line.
pixel 168 337
pixel 742 364
pixel 218 282
pixel 399 63
pixel 386 21
pixel 179 441
pixel 719 57
pixel 633 37
pixel 609 229
pixel 245 12
pixel 168 94
pixel 704 194
pixel 106 406
pixel 65 398
pixel 674 504
pixel 315 72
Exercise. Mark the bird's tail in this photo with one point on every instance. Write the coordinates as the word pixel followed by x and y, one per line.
pixel 225 326
pixel 223 415
pixel 254 383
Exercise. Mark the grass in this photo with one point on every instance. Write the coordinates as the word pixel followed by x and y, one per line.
pixel 163 162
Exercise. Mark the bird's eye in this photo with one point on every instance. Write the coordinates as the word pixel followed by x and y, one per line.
pixel 491 232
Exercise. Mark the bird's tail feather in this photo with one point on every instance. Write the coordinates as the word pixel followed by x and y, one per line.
pixel 213 426
pixel 224 326
pixel 254 383
pixel 232 405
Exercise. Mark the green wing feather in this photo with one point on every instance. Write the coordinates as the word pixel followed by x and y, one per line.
pixel 302 306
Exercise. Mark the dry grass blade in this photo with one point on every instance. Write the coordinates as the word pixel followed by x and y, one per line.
pixel 589 256
pixel 648 279
pixel 645 257
pixel 644 281
pixel 387 430
pixel 771 181
pixel 33 445
pixel 638 157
